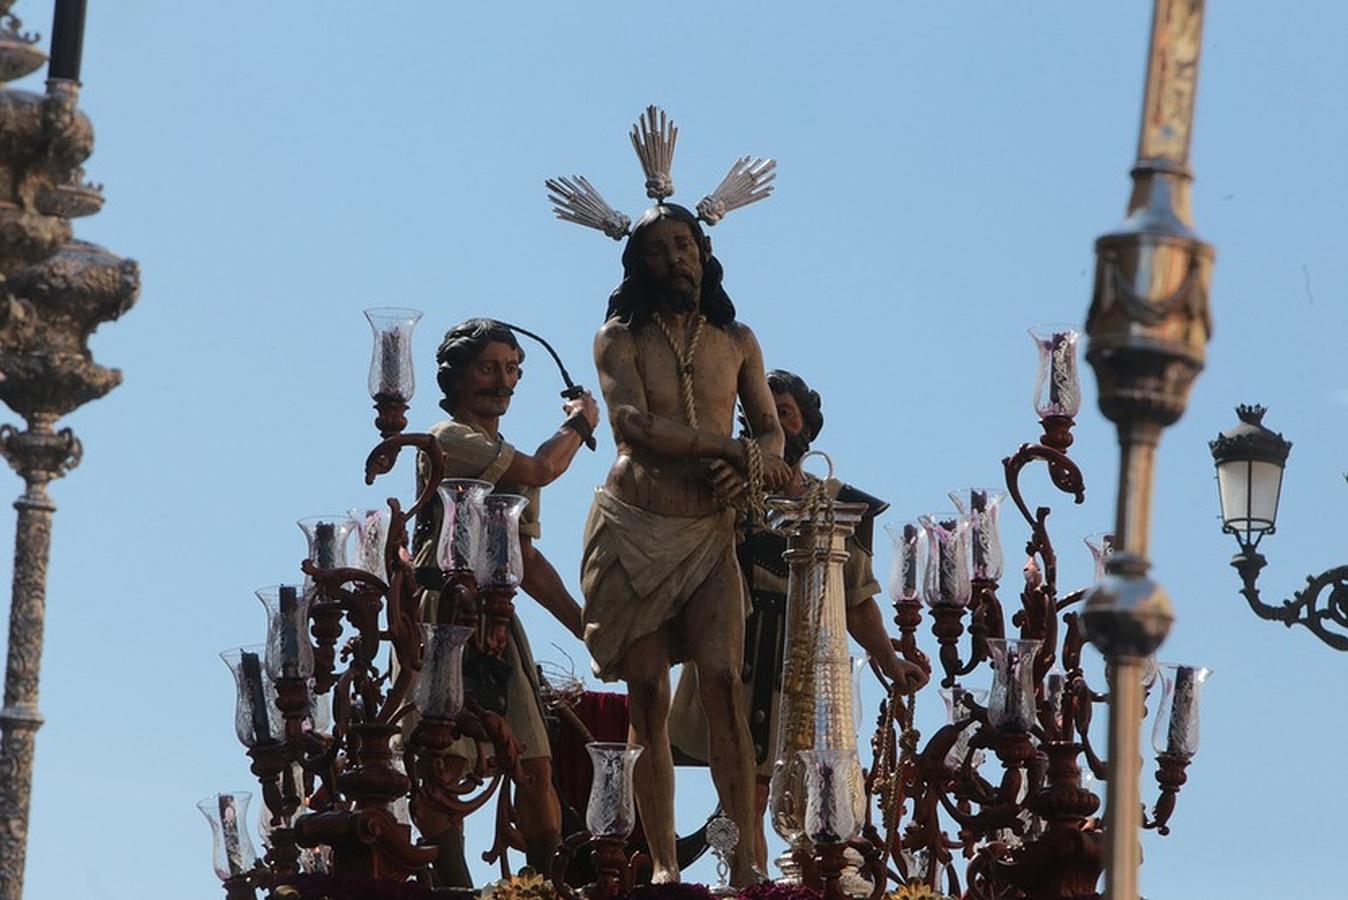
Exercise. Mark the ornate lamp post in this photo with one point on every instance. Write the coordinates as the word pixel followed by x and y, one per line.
pixel 1148 326
pixel 1250 460
pixel 56 291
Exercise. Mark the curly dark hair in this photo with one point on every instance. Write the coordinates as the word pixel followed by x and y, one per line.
pixel 780 381
pixel 462 345
pixel 633 302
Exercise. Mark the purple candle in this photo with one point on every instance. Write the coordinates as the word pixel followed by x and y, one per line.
pixel 910 560
pixel 229 831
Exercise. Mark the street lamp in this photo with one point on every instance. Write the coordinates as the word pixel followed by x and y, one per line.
pixel 1250 459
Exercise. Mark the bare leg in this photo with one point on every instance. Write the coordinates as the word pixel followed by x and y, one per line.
pixel 646 671
pixel 713 625
pixel 760 810
pixel 539 812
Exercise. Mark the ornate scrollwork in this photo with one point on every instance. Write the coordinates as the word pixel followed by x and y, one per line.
pixel 1327 621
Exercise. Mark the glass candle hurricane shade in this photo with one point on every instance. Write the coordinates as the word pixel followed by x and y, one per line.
pixel 289 653
pixel 327 537
pixel 371 541
pixel 611 812
pixel 438 693
pixel 502 564
pixel 957 714
pixel 1175 732
pixel 904 572
pixel 830 809
pixel 1011 704
pixel 1101 545
pixel 981 506
pixel 232 849
pixel 463 518
pixel 946 579
pixel 1057 390
pixel 256 718
pixel 391 362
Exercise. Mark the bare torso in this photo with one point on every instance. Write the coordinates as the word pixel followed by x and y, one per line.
pixel 662 482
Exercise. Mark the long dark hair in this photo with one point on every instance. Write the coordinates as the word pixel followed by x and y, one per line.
pixel 462 345
pixel 634 301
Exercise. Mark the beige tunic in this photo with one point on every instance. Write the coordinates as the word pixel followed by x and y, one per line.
pixel 472 453
pixel 688 722
pixel 638 570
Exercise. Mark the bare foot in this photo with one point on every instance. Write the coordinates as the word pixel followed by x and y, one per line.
pixel 665 876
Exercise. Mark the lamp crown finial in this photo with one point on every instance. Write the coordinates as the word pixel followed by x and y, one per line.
pixel 1251 413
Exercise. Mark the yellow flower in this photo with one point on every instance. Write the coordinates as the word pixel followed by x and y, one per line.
pixel 917 890
pixel 527 885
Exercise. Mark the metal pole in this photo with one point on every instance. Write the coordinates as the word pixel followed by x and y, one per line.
pixel 38 455
pixel 1148 326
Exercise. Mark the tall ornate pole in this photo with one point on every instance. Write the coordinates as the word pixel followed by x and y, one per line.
pixel 55 292
pixel 1148 326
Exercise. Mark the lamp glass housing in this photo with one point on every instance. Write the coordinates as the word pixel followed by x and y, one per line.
pixel 256 717
pixel 371 541
pixel 439 689
pixel 611 811
pixel 327 537
pixel 1249 490
pixel 289 653
pixel 905 574
pixel 1175 731
pixel 1057 387
pixel 946 579
pixel 232 851
pixel 981 505
pixel 391 371
pixel 830 807
pixel 1011 704
pixel 502 563
pixel 462 523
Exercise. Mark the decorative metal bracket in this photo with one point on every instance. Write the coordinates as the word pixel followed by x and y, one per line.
pixel 1304 608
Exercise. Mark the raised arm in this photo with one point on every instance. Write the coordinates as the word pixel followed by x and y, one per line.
pixel 620 381
pixel 555 454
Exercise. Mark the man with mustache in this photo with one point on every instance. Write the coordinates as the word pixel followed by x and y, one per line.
pixel 479 368
pixel 800 411
pixel 659 573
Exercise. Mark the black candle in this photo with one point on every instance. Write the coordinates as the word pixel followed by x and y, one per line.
pixel 390 365
pixel 1181 713
pixel 251 669
pixel 1056 363
pixel 67 40
pixel 325 545
pixel 909 560
pixel 978 504
pixel 290 630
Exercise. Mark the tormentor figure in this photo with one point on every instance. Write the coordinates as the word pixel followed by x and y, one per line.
pixel 659 572
pixel 478 370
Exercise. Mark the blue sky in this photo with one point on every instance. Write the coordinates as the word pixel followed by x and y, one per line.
pixel 944 169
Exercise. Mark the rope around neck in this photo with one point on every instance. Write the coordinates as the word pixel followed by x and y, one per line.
pixel 684 356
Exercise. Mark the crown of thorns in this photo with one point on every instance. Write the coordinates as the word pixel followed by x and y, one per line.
pixel 654 135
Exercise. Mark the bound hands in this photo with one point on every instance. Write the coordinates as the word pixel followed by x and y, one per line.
pixel 729 477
